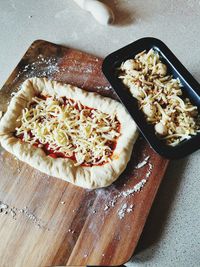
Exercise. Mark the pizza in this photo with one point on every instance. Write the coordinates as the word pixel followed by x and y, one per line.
pixel 66 132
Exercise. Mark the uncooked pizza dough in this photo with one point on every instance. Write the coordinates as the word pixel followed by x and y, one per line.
pixel 72 134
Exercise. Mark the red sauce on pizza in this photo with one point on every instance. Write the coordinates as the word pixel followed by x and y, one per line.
pixel 53 154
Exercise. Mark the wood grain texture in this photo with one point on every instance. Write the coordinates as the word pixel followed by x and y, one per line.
pixel 54 222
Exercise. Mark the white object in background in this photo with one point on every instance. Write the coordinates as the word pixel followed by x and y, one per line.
pixel 101 12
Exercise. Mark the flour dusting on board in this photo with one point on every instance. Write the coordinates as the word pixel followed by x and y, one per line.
pixel 125 209
pixel 48 67
pixel 42 67
pixel 112 195
pixel 104 87
pixel 5 209
pixel 142 163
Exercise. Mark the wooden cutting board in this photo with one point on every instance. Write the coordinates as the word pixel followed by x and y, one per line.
pixel 45 221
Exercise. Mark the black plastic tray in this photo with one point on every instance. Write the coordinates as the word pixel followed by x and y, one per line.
pixel 191 89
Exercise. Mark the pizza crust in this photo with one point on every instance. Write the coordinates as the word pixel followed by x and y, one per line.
pixel 63 168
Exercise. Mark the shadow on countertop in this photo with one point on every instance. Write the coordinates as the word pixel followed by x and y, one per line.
pixel 161 208
pixel 123 15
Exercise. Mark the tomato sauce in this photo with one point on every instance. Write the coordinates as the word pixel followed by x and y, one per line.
pixel 53 154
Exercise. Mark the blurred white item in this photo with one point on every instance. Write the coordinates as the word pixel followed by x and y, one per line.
pixel 101 12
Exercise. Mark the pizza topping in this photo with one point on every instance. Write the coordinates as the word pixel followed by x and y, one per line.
pixel 160 97
pixel 65 128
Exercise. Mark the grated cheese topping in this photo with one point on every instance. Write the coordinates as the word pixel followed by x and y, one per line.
pixel 160 97
pixel 84 134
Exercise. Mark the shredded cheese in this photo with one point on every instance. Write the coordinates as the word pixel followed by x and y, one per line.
pixel 70 128
pixel 160 97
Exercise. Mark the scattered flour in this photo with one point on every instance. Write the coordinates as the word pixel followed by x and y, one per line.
pixel 106 207
pixel 31 217
pixel 104 87
pixel 121 211
pixel 135 189
pixel 14 212
pixel 3 208
pixel 42 67
pixel 125 209
pixel 142 163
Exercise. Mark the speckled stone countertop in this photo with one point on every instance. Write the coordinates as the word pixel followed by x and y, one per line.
pixel 171 236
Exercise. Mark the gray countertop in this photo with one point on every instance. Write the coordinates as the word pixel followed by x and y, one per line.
pixel 171 236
